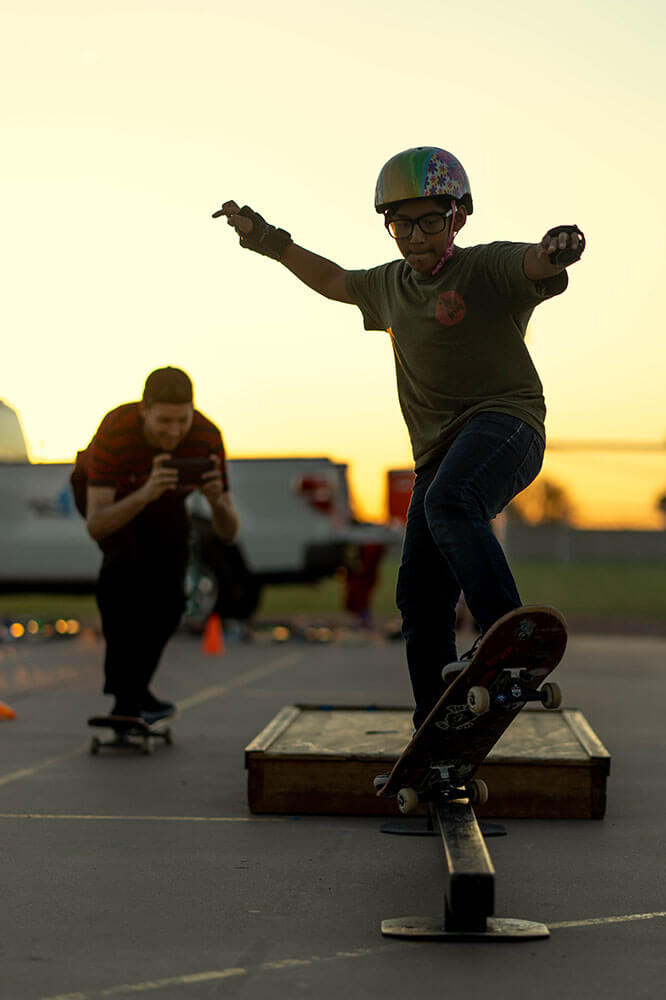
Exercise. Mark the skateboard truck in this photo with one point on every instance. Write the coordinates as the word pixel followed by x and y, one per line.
pixel 443 783
pixel 510 691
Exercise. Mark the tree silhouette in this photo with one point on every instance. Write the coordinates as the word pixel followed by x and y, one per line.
pixel 661 506
pixel 543 502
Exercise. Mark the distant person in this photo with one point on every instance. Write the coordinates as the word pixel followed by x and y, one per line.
pixel 360 576
pixel 135 510
pixel 468 389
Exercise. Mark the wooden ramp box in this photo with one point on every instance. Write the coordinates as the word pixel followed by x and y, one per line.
pixel 321 760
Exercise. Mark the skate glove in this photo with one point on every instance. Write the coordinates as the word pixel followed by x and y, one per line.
pixel 569 255
pixel 264 238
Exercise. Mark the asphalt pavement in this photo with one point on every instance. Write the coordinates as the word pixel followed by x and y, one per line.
pixel 126 875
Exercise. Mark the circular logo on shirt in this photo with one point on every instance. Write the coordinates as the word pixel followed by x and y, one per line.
pixel 450 308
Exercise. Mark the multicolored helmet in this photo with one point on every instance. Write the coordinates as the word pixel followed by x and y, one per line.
pixel 422 172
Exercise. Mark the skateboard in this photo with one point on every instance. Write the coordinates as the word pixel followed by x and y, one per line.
pixel 484 696
pixel 130 733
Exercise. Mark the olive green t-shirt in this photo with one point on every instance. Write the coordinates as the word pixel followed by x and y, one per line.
pixel 458 339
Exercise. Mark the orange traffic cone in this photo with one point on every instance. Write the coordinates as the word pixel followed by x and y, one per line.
pixel 6 712
pixel 213 637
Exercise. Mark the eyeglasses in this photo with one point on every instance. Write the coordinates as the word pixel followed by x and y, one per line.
pixel 401 228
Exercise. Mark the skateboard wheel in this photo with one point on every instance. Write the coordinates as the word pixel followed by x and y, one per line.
pixel 408 800
pixel 167 737
pixel 146 746
pixel 478 792
pixel 94 745
pixel 478 700
pixel 551 695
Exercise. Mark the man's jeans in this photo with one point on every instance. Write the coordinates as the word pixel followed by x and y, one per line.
pixel 450 547
pixel 141 609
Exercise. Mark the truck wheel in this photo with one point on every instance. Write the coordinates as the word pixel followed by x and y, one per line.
pixel 237 590
pixel 239 599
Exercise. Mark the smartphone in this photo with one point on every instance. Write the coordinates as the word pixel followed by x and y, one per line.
pixel 190 470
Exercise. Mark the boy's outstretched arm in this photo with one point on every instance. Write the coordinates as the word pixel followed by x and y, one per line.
pixel 256 234
pixel 560 247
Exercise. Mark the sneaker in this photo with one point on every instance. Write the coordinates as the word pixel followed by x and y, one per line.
pixel 149 703
pixel 157 716
pixel 452 671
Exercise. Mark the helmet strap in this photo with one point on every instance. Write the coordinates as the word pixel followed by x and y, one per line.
pixel 448 253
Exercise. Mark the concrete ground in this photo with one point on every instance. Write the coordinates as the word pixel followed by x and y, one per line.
pixel 127 875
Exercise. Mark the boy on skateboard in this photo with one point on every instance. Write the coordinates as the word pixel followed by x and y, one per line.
pixel 470 395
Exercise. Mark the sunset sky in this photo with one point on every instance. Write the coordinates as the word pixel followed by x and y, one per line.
pixel 125 124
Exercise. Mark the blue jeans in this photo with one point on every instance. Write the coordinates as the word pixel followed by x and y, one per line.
pixel 450 547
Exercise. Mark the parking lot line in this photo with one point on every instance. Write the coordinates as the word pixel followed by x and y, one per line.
pixel 282 662
pixel 27 772
pixel 273 667
pixel 290 963
pixel 594 922
pixel 149 819
pixel 214 974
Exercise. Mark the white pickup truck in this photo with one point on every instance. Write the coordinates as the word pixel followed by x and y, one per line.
pixel 296 526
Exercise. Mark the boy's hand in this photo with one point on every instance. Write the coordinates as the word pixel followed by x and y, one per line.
pixel 254 232
pixel 562 245
pixel 322 275
pixel 239 222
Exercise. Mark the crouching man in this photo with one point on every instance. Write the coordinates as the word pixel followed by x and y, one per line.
pixel 140 466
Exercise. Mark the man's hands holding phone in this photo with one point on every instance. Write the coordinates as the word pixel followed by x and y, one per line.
pixel 167 473
pixel 106 515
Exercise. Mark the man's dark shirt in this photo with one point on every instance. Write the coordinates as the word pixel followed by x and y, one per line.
pixel 119 456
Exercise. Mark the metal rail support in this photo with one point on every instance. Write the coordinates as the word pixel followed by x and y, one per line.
pixel 469 891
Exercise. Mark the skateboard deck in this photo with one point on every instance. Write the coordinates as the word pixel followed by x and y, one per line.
pixel 130 733
pixel 504 673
